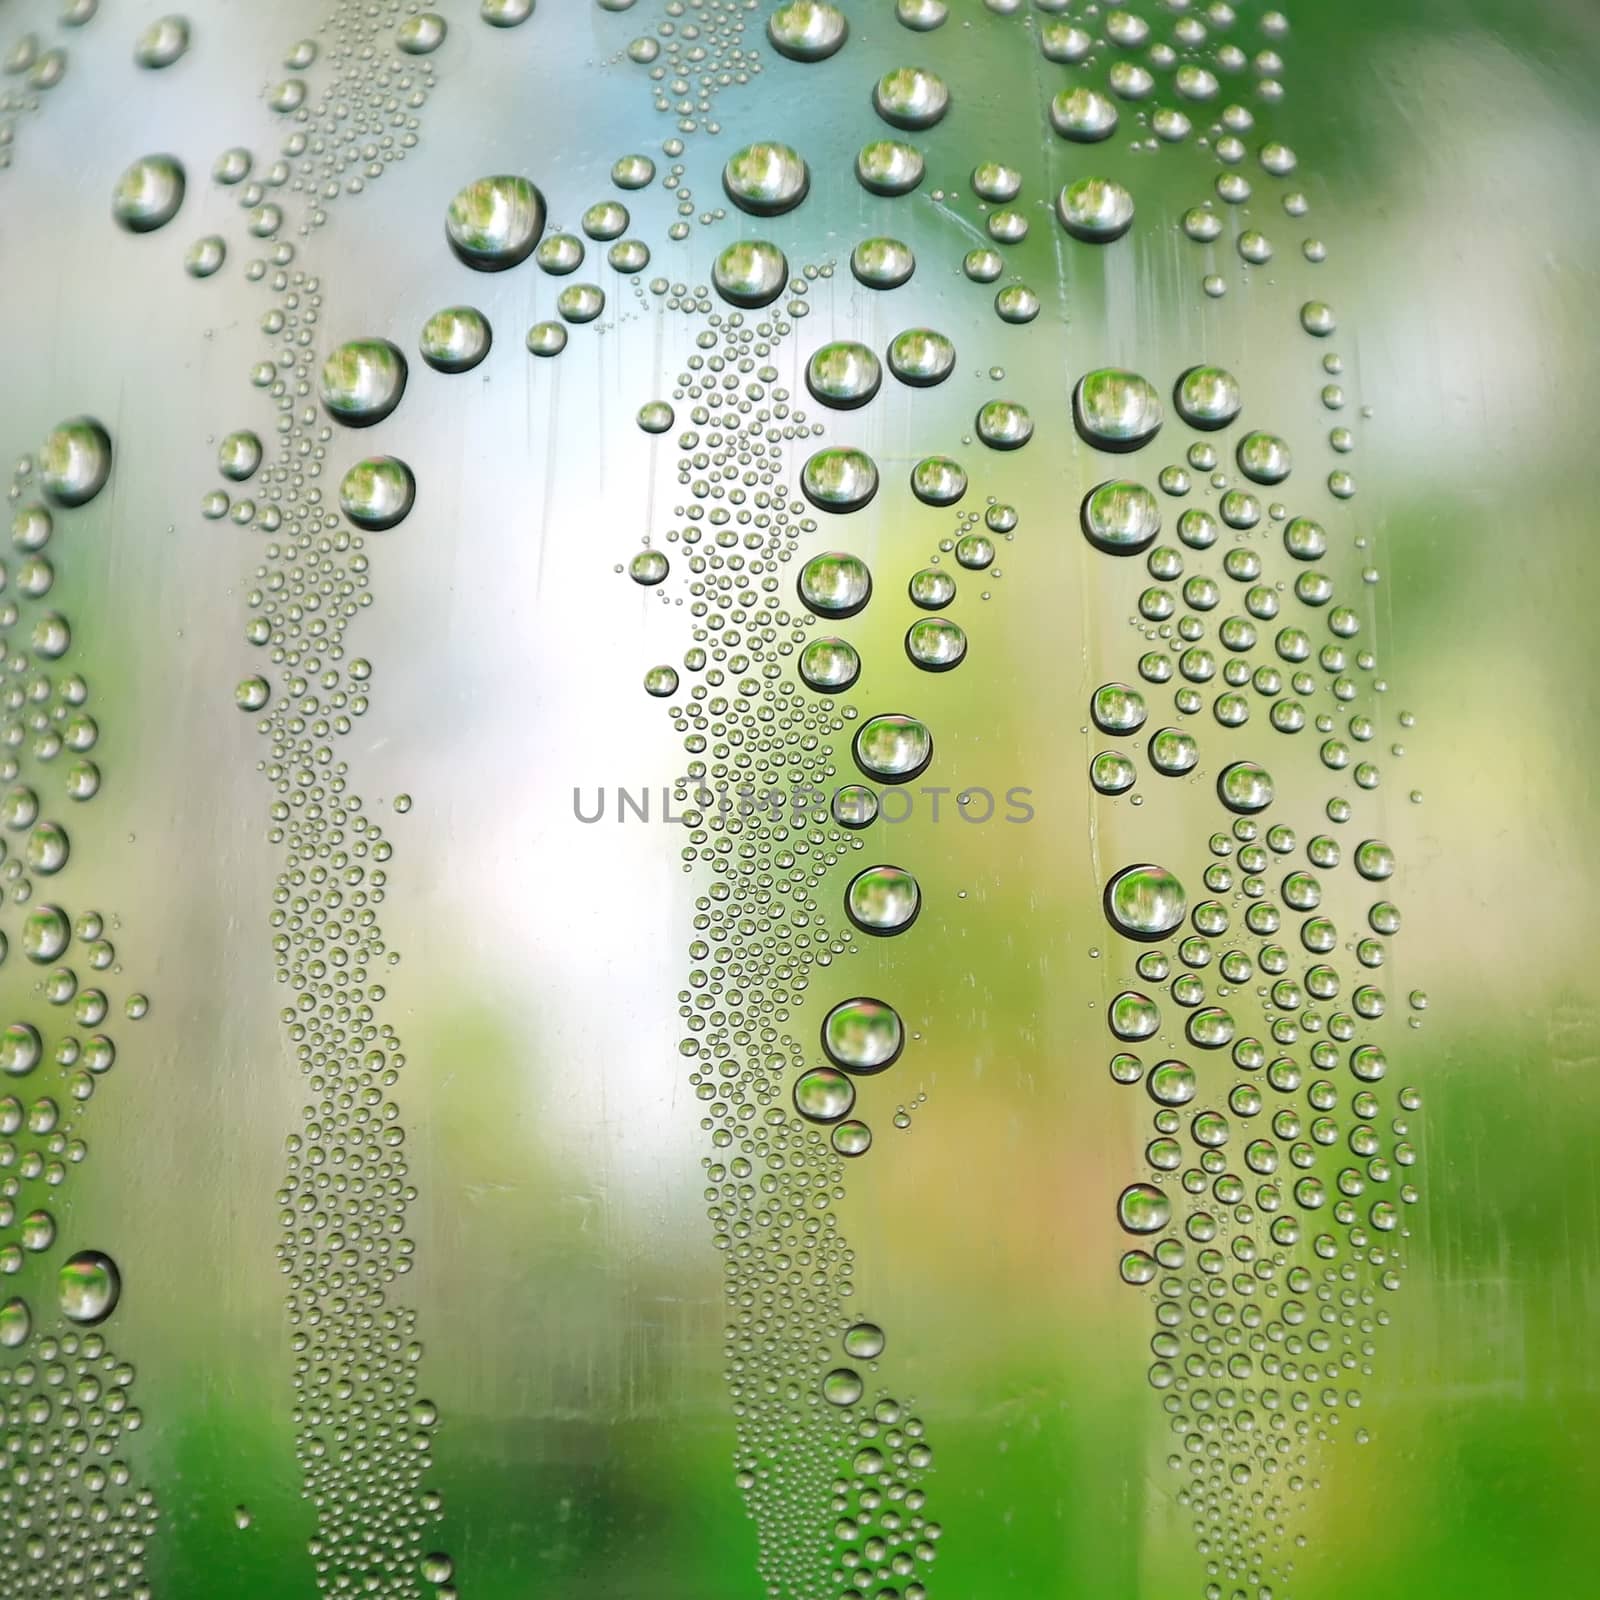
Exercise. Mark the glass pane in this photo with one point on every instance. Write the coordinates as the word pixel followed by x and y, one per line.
pixel 796 800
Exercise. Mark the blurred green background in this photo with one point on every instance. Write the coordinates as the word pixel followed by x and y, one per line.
pixel 570 1302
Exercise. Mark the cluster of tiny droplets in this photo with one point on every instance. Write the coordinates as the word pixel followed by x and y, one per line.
pixel 696 51
pixel 831 1475
pixel 33 68
pixel 364 1430
pixel 72 1521
pixel 1266 1314
pixel 70 1513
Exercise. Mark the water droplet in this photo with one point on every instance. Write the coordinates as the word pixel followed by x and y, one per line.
pixel 842 1387
pixel 455 339
pixel 1264 458
pixel 363 381
pixel 148 194
pixel 560 253
pixel 422 34
pixel 840 479
pixel 882 900
pixel 854 806
pixel 1117 709
pixel 232 166
pixel 921 357
pixel 1116 410
pixel 862 1036
pixel 205 256
pixel 936 644
pixel 1145 902
pixel 633 171
pixel 1317 318
pixel 893 748
pixel 252 694
pixel 494 223
pixel 75 461
pixel 830 665
pixel 20 1048
pixel 1143 1208
pixel 547 339
pixel 932 589
pixel 1120 517
pixel 239 455
pixel 1207 397
pixel 807 30
pixel 843 375
pixel 581 302
pixel 835 584
pixel 1245 787
pixel 649 568
pixel 656 416
pixel 882 263
pixel 921 16
pixel 889 167
pixel 996 182
pixel 766 179
pixel 16 1323
pixel 938 481
pixel 377 493
pixel 1096 210
pixel 750 273
pixel 1112 773
pixel 661 682
pixel 823 1095
pixel 503 14
pixel 864 1341
pixel 853 1139
pixel 1084 115
pixel 910 97
pixel 1004 425
pixel 88 1287
pixel 162 42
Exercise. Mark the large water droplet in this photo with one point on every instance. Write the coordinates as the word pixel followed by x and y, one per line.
pixel 835 584
pixel 883 900
pixel 882 263
pixel 1083 114
pixel 807 30
pixel 1143 1208
pixel 377 493
pixel 1120 517
pixel 494 223
pixel 1245 787
pixel 766 179
pixel 843 375
pixel 1116 410
pixel 862 1036
pixel 840 479
pixel 936 644
pixel 1145 902
pixel 750 273
pixel 162 42
pixel 921 357
pixel 830 665
pixel 886 166
pixel 148 194
pixel 88 1287
pixel 893 748
pixel 75 461
pixel 1207 397
pixel 362 381
pixel 1096 210
pixel 911 97
pixel 938 481
pixel 455 339
pixel 422 34
pixel 505 13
